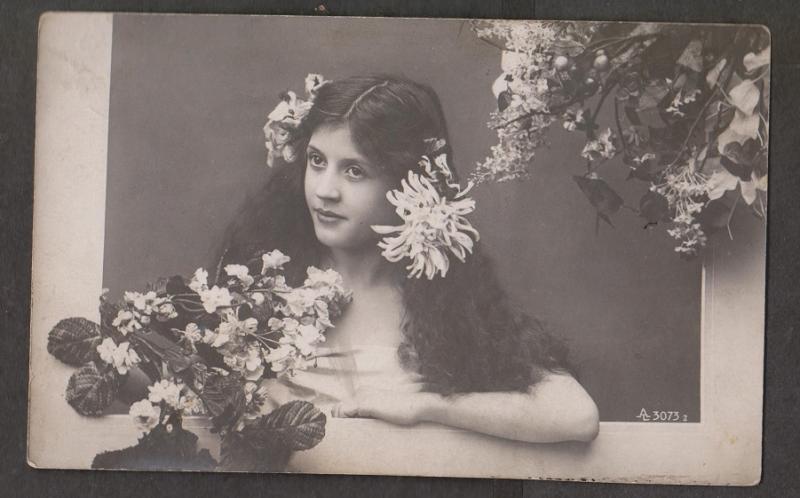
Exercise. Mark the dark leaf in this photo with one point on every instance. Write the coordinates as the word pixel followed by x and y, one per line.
pixel 297 424
pixel 692 56
pixel 632 115
pixel 108 312
pixel 263 312
pixel 642 172
pixel 163 349
pixel 651 116
pixel 160 286
pixel 238 454
pixel 150 368
pixel 503 100
pixel 604 199
pixel 652 96
pixel 199 373
pixel 160 449
pixel 742 171
pixel 716 214
pixel 74 341
pixel 267 443
pixel 740 159
pixel 223 396
pixel 176 285
pixel 91 390
pixel 653 207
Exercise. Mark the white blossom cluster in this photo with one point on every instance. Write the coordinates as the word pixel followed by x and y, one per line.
pixel 685 189
pixel 517 144
pixel 140 309
pixel 307 311
pixel 120 356
pixel 523 92
pixel 285 119
pixel 298 317
pixel 164 396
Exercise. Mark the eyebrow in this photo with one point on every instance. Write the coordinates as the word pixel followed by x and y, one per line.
pixel 360 160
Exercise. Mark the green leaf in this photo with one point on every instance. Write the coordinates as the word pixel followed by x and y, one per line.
pixel 91 390
pixel 74 341
pixel 160 449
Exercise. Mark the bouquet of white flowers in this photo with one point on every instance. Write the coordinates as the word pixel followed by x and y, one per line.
pixel 206 348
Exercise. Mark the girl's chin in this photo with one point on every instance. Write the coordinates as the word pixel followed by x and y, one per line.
pixel 339 239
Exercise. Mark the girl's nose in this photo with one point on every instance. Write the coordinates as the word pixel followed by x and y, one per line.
pixel 327 187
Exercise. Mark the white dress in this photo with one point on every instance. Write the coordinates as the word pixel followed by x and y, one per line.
pixel 340 372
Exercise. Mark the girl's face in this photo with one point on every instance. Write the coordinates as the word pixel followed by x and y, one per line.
pixel 345 193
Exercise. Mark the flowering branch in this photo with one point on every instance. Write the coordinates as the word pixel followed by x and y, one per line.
pixel 550 69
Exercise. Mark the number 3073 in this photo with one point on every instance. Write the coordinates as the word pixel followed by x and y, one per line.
pixel 661 416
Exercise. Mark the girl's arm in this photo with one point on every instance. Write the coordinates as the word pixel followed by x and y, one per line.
pixel 555 409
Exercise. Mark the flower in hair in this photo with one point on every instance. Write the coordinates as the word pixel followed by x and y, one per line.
pixel 285 119
pixel 433 226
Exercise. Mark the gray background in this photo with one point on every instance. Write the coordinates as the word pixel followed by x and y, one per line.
pixel 189 97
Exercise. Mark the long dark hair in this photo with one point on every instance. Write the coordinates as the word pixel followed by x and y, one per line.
pixel 460 332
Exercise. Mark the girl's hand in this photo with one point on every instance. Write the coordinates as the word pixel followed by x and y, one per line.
pixel 401 408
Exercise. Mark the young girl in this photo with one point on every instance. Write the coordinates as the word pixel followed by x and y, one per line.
pixel 439 344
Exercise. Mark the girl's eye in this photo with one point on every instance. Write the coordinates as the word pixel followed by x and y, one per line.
pixel 315 160
pixel 355 172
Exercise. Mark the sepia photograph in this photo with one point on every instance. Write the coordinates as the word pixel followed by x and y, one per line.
pixel 400 246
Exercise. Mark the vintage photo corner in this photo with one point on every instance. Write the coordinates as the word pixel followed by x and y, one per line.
pixel 433 247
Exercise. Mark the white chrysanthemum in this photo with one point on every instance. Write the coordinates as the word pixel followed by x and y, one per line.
pixel 120 356
pixel 166 391
pixel 432 226
pixel 145 415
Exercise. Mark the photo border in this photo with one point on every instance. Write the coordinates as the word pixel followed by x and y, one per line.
pixel 71 147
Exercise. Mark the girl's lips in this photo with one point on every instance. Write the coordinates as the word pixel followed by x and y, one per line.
pixel 328 216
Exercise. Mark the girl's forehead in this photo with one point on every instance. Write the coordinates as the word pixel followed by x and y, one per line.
pixel 336 140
